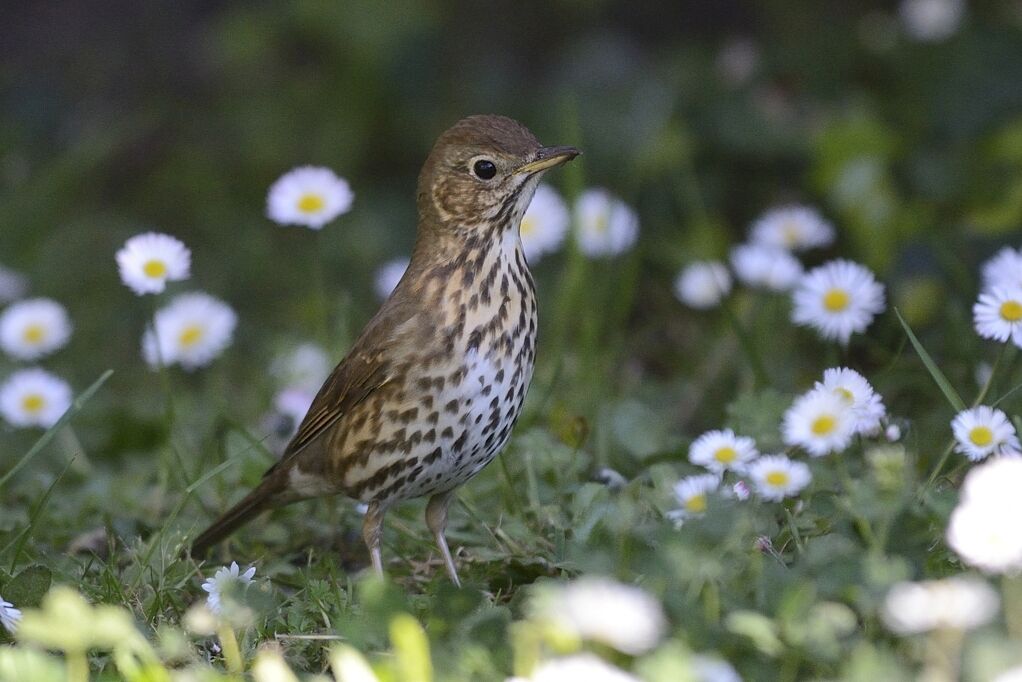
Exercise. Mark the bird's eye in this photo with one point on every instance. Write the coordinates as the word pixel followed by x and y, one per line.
pixel 484 169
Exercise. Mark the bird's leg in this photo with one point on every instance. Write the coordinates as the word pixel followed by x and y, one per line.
pixel 372 529
pixel 436 519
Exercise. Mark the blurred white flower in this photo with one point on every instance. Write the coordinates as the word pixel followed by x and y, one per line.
pixel 13 285
pixel 741 490
pixel 837 299
pixel 713 669
pixel 604 225
pixel 982 431
pixel 892 433
pixel 293 403
pixel 984 529
pixel 585 667
pixel 33 328
pixel 9 616
pixel 866 405
pixel 998 314
pixel 1010 675
pixel 769 267
pixel 737 61
pixel 793 227
pixel 305 366
pixel 545 223
pixel 931 20
pixel 388 275
pixel 776 477
pixel 1004 269
pixel 310 196
pixel 191 331
pixel 34 397
pixel 957 603
pixel 722 449
pixel 148 261
pixel 820 421
pixel 601 610
pixel 226 579
pixel 610 478
pixel 703 284
pixel 691 493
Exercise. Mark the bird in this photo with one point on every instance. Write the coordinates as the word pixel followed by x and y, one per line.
pixel 431 388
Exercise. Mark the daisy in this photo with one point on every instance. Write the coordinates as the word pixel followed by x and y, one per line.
pixel 33 328
pixel 148 261
pixel 837 299
pixel 741 490
pixel 984 529
pixel 957 603
pixel 820 421
pixel 982 431
pixel 191 331
pixel 866 405
pixel 601 610
pixel 777 477
pixel 703 284
pixel 713 669
pixel 795 228
pixel 768 267
pixel 720 450
pixel 12 285
pixel 692 492
pixel 309 196
pixel 931 20
pixel 604 225
pixel 584 667
pixel 1004 269
pixel 545 223
pixel 226 581
pixel 998 314
pixel 293 404
pixel 34 397
pixel 305 366
pixel 388 275
pixel 9 616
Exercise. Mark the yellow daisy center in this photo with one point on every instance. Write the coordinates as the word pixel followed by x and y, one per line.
pixel 823 425
pixel 311 203
pixel 696 504
pixel 981 436
pixel 32 403
pixel 602 222
pixel 155 268
pixel 790 233
pixel 845 393
pixel 1011 311
pixel 34 334
pixel 725 455
pixel 190 335
pixel 528 226
pixel 777 478
pixel 836 300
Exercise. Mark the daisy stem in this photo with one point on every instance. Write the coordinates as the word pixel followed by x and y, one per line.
pixel 323 308
pixel 1011 587
pixel 794 530
pixel 751 354
pixel 232 652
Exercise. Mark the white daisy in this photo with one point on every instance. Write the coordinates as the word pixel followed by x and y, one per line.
pixel 713 669
pixel 602 610
pixel 777 477
pixel 34 397
pixel 691 492
pixel 306 366
pixel 12 285
pixel 837 299
pixel 957 603
pixel 998 314
pixel 604 225
pixel 226 580
pixel 820 421
pixel 309 196
pixel 892 433
pixel 984 529
pixel 9 616
pixel 741 490
pixel 769 267
pixel 931 20
pixel 702 284
pixel 388 275
pixel 795 228
pixel 720 450
pixel 584 667
pixel 33 328
pixel 545 223
pixel 191 331
pixel 866 405
pixel 1003 269
pixel 148 261
pixel 982 431
pixel 293 403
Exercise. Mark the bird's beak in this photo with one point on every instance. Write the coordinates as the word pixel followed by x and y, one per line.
pixel 548 157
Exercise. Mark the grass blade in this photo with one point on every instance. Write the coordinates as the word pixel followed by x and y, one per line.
pixel 938 377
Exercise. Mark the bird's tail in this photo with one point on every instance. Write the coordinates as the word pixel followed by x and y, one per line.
pixel 270 493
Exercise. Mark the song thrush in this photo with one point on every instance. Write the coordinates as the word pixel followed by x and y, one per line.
pixel 430 390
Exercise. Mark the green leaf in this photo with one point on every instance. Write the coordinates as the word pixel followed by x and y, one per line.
pixel 938 377
pixel 28 587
